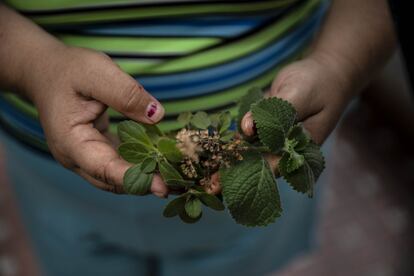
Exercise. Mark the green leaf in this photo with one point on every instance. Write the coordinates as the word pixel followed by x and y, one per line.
pixel 187 219
pixel 214 119
pixel 130 131
pixel 211 201
pixel 227 136
pixel 201 120
pixel 299 134
pixel 134 152
pixel 250 192
pixel 304 178
pixel 153 132
pixel 294 159
pixel 184 118
pixel 253 95
pixel 148 165
pixel 175 206
pixel 169 149
pixel 136 182
pixel 225 122
pixel 193 207
pixel 274 118
pixel 170 175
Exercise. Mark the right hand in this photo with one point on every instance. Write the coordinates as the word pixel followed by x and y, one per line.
pixel 72 89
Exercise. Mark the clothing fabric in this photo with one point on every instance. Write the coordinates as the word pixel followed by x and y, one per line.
pixel 191 55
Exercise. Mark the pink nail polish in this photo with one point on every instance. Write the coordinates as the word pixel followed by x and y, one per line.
pixel 152 108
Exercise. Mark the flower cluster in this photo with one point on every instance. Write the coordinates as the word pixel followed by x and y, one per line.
pixel 204 152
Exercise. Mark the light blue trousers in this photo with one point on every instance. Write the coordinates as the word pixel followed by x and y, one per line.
pixel 79 230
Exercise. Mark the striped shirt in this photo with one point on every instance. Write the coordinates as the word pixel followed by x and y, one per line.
pixel 191 55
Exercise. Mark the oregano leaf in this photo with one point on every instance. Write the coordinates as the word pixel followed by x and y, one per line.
pixel 225 122
pixel 174 207
pixel 170 175
pixel 134 152
pixel 193 207
pixel 153 132
pixel 303 179
pixel 211 201
pixel 250 192
pixel 253 95
pixel 200 120
pixel 137 182
pixel 227 136
pixel 185 118
pixel 169 149
pixel 148 165
pixel 130 131
pixel 187 219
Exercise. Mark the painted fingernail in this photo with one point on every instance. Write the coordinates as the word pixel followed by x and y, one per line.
pixel 154 111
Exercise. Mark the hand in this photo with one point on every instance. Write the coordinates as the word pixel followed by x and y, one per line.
pixel 72 89
pixel 317 91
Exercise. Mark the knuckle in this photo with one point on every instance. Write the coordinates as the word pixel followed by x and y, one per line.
pixel 133 97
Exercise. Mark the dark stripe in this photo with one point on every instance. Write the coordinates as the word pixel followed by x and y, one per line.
pixel 128 6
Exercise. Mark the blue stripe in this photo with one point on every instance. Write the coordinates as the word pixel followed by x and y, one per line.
pixel 209 26
pixel 20 121
pixel 222 77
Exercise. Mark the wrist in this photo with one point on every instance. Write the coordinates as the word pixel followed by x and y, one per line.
pixel 41 67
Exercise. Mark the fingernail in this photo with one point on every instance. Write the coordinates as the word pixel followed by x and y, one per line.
pixel 248 127
pixel 154 111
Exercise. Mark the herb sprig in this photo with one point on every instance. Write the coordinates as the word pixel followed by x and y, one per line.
pixel 207 148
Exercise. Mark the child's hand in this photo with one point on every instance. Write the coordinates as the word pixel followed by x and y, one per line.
pixel 318 93
pixel 72 88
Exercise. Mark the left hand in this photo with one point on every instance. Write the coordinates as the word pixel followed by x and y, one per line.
pixel 318 92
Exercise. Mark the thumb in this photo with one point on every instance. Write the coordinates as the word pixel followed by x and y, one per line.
pixel 111 86
pixel 247 124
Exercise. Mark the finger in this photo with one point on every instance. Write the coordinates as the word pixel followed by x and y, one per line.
pixel 298 94
pixel 95 156
pixel 247 124
pixel 158 187
pixel 111 86
pixel 102 123
pixel 214 187
pixel 99 184
pixel 273 161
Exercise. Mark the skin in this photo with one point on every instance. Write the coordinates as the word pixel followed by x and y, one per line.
pixel 72 87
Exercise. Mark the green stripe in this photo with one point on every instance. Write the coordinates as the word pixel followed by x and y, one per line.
pixel 146 45
pixel 135 66
pixel 161 11
pixel 237 49
pixel 176 107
